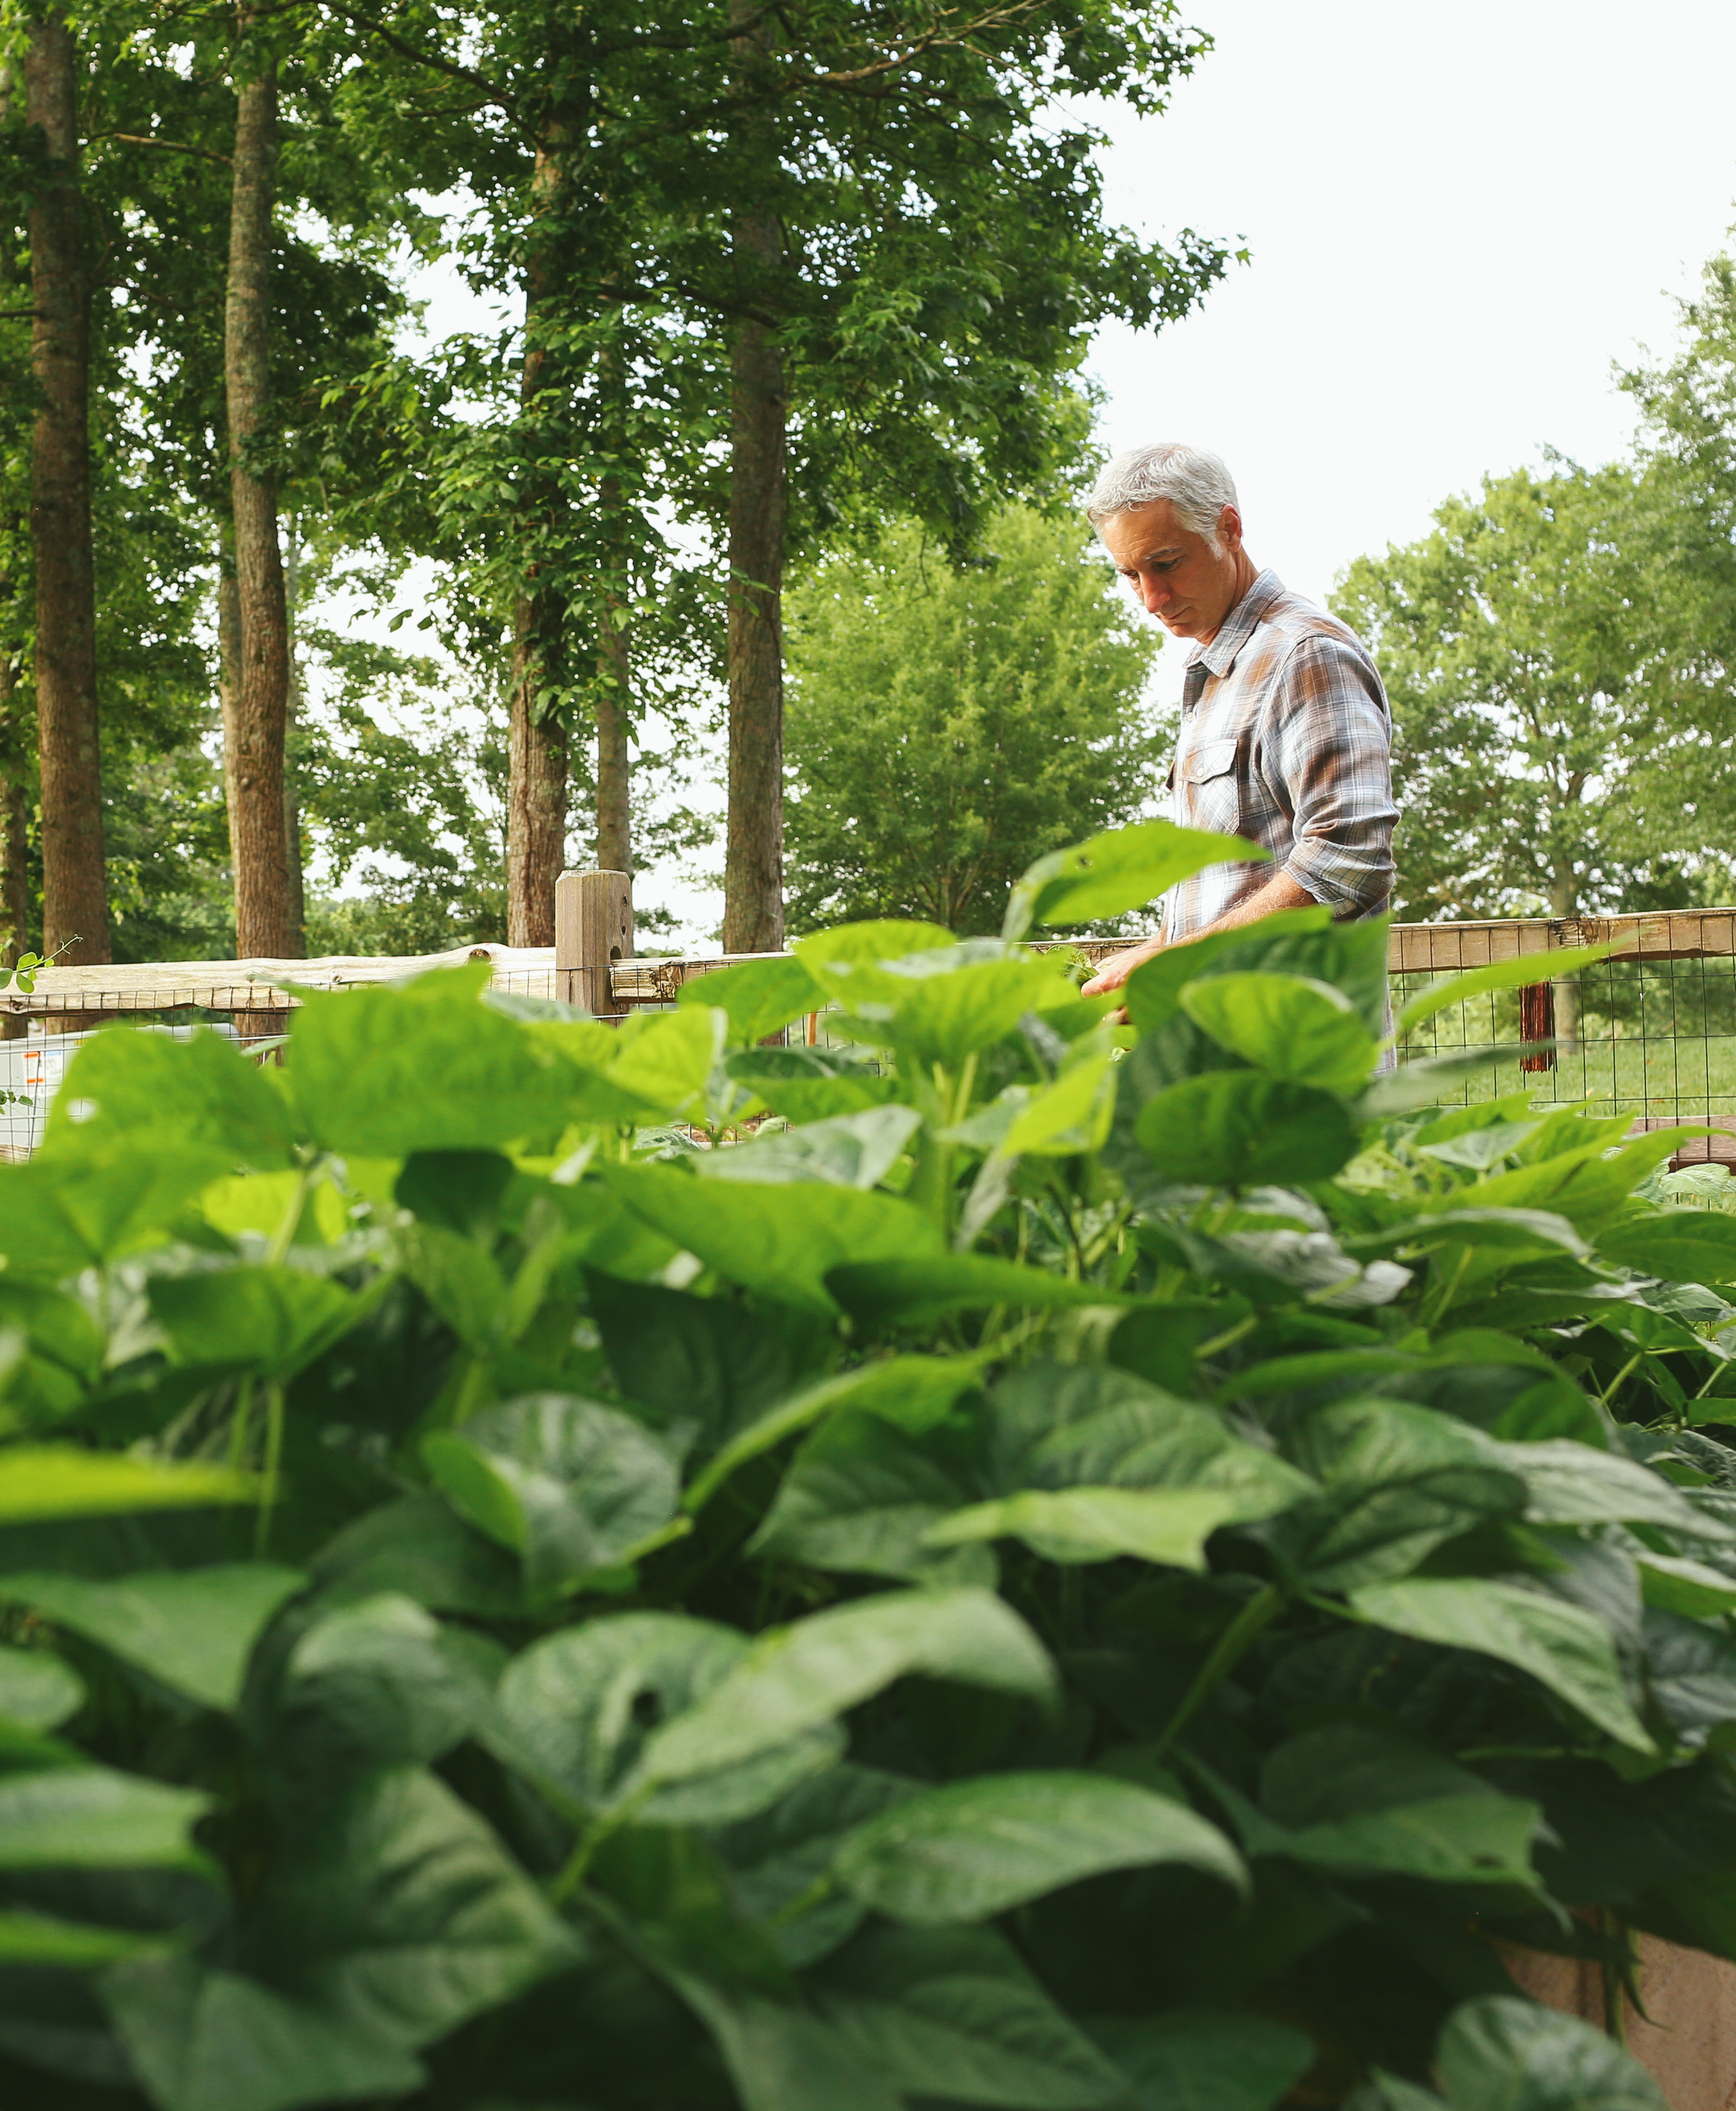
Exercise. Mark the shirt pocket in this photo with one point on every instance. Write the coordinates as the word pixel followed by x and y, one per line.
pixel 1213 785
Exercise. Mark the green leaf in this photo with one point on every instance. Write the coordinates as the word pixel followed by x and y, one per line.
pixel 810 1084
pixel 1570 1483
pixel 1475 1839
pixel 1205 2059
pixel 60 1215
pixel 757 996
pixel 1122 869
pixel 777 1860
pixel 778 1240
pixel 375 1684
pixel 423 1066
pixel 420 1546
pixel 1682 1246
pixel 44 1939
pixel 577 1707
pixel 915 1292
pixel 38 1482
pixel 978 1848
pixel 1153 991
pixel 399 1914
pixel 37 1691
pixel 848 1151
pixel 914 1393
pixel 781 2058
pixel 127 1085
pixel 1237 1129
pixel 861 1497
pixel 1556 966
pixel 798 1678
pixel 572 1487
pixel 205 2040
pixel 194 1629
pixel 1398 1480
pixel 1166 1525
pixel 666 1059
pixel 707 1360
pixel 950 2013
pixel 1564 1649
pixel 1288 1025
pixel 270 1320
pixel 941 1005
pixel 1073 1114
pixel 1501 2054
pixel 92 1818
pixel 1691 1674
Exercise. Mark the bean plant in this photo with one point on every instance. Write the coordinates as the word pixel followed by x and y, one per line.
pixel 1015 1559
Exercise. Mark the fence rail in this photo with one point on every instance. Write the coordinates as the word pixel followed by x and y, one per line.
pixel 1652 1031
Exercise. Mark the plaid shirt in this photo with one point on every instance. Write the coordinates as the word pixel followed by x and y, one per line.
pixel 1286 739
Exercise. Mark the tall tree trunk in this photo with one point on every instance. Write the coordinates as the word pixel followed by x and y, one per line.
pixel 295 882
pixel 253 734
pixel 536 745
pixel 15 843
pixel 759 412
pixel 75 882
pixel 753 855
pixel 614 781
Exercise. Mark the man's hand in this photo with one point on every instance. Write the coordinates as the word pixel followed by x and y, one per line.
pixel 1112 972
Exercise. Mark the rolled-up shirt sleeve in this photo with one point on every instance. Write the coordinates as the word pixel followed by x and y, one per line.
pixel 1328 744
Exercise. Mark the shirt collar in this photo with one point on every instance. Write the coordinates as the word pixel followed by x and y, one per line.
pixel 1240 625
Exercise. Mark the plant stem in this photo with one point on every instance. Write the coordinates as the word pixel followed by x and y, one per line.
pixel 274 1454
pixel 1621 1376
pixel 1232 1644
pixel 284 1237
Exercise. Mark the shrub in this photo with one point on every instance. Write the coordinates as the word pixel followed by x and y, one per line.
pixel 1025 1562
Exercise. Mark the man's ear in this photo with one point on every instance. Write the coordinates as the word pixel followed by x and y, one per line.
pixel 1230 529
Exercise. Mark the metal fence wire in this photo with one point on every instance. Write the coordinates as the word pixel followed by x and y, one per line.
pixel 1650 1031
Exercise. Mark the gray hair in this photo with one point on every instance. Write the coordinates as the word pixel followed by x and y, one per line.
pixel 1195 483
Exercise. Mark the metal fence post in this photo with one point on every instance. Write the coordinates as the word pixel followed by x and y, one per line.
pixel 594 929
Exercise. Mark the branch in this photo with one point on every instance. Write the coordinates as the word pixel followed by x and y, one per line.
pixel 432 60
pixel 168 145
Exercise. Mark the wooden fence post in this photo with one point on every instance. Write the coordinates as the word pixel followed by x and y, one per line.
pixel 593 928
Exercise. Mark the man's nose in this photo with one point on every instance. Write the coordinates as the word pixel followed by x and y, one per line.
pixel 1155 595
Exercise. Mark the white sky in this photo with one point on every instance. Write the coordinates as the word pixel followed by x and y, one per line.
pixel 1460 217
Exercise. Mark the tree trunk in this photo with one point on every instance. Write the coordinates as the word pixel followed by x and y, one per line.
pixel 295 879
pixel 253 733
pixel 75 882
pixel 614 808
pixel 15 844
pixel 753 856
pixel 536 748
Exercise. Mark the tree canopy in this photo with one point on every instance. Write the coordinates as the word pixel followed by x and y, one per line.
pixel 948 725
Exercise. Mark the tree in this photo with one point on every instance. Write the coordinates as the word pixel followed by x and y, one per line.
pixel 75 893
pixel 258 699
pixel 947 727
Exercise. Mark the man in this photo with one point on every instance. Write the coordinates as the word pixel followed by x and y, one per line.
pixel 1286 738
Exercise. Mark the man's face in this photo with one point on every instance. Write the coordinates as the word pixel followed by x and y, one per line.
pixel 1189 586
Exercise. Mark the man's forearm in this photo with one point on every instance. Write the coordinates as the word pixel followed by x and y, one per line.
pixel 1282 890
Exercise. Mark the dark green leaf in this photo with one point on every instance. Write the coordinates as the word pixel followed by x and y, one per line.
pixel 977 1848
pixel 37 1691
pixel 92 1818
pixel 1124 868
pixel 270 1320
pixel 1236 1128
pixel 1501 2053
pixel 915 1291
pixel 1205 2059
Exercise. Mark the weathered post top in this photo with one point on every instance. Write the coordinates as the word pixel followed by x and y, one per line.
pixel 594 929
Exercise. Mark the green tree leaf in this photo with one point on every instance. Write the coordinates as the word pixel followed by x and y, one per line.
pixel 977 1848
pixel 1567 1649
